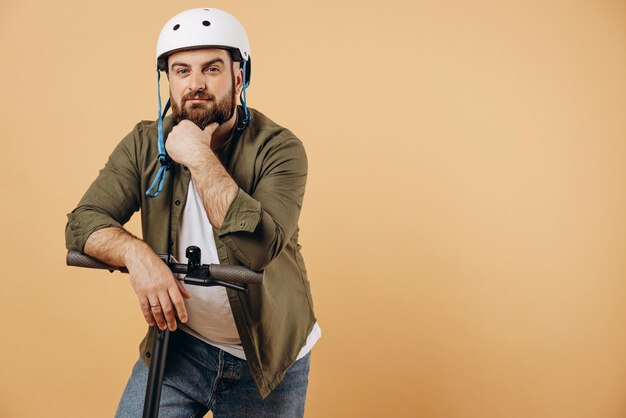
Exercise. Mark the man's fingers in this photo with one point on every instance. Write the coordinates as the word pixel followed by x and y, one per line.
pixel 157 312
pixel 168 310
pixel 179 303
pixel 147 313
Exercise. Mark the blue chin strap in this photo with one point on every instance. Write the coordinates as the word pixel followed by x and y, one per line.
pixel 165 162
pixel 242 97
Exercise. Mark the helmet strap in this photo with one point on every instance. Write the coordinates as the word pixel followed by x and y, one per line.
pixel 242 97
pixel 163 158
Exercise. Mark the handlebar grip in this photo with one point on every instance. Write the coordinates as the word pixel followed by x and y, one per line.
pixel 235 274
pixel 77 259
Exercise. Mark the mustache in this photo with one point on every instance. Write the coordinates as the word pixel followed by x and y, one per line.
pixel 198 95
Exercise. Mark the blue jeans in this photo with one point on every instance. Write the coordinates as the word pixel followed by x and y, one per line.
pixel 201 378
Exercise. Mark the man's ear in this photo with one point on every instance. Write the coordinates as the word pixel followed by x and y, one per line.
pixel 238 69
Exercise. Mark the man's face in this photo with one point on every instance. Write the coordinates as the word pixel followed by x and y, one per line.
pixel 203 86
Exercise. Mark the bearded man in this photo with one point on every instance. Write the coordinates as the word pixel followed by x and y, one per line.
pixel 228 180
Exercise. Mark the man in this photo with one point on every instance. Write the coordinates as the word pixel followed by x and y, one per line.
pixel 230 181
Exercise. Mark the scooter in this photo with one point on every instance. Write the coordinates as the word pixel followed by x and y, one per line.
pixel 196 274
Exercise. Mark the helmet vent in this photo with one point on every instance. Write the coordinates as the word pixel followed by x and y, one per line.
pixel 176 26
pixel 206 23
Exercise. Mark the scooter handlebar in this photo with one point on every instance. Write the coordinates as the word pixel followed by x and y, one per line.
pixel 228 274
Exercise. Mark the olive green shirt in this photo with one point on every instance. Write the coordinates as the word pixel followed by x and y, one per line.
pixel 260 230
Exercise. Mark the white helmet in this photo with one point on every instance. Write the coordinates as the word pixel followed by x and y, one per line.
pixel 196 28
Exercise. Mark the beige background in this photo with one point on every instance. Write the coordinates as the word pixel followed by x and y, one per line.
pixel 464 220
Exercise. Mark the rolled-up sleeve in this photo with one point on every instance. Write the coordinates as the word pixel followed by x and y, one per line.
pixel 243 215
pixel 258 225
pixel 111 199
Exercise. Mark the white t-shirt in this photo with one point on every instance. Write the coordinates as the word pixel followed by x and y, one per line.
pixel 210 317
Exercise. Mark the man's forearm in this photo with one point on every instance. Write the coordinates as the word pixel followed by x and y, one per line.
pixel 215 187
pixel 113 245
pixel 190 146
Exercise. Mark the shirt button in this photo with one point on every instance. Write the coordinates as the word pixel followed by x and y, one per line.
pixel 177 202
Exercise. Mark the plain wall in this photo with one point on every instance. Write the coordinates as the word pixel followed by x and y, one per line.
pixel 463 225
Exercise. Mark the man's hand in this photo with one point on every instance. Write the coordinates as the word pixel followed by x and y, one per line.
pixel 189 145
pixel 160 294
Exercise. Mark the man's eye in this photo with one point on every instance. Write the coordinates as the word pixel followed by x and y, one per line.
pixel 212 69
pixel 182 71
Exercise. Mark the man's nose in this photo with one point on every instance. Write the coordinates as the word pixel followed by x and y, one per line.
pixel 197 81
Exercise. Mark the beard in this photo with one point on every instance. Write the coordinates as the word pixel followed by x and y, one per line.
pixel 205 114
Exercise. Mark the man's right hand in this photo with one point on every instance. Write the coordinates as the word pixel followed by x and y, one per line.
pixel 161 296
